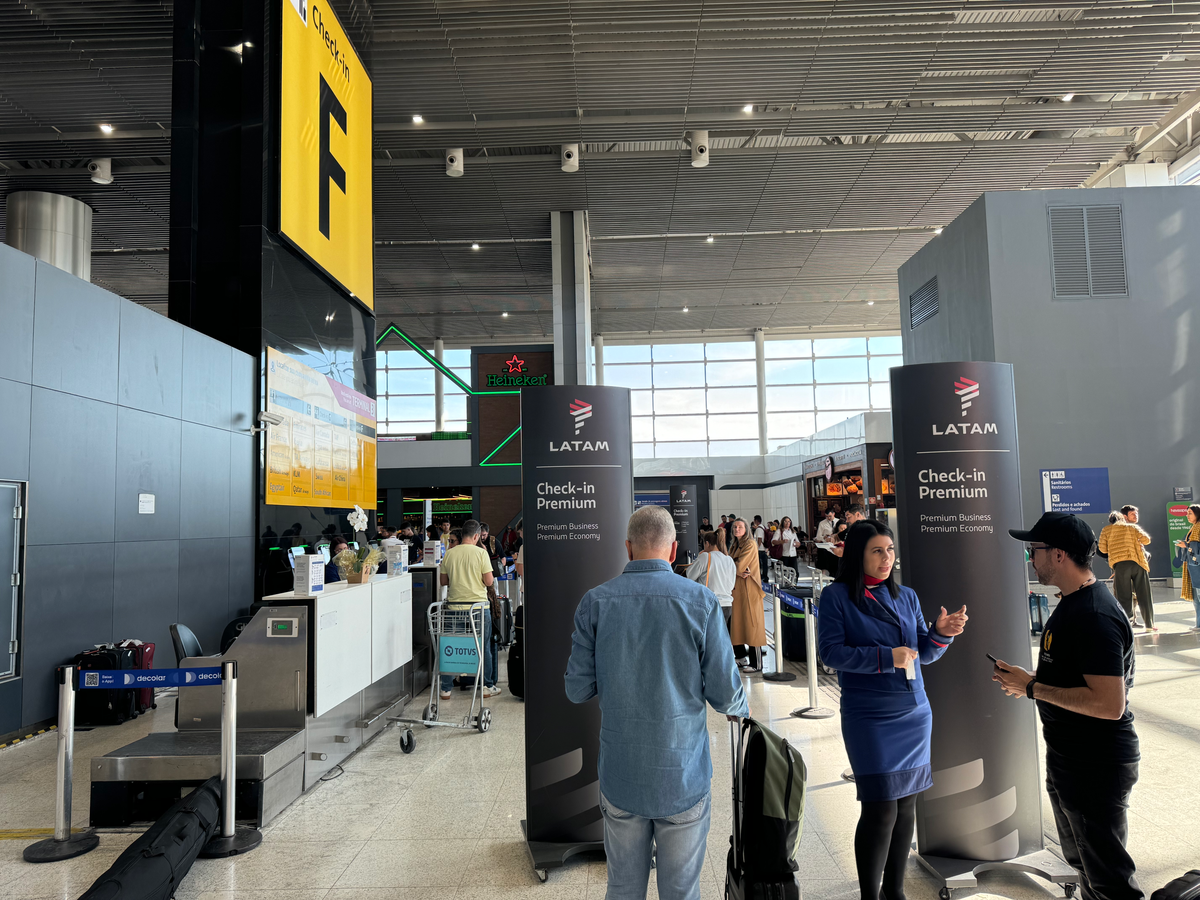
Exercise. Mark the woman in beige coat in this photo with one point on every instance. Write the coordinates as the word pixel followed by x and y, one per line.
pixel 746 624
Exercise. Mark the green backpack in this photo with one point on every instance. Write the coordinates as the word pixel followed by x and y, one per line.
pixel 768 814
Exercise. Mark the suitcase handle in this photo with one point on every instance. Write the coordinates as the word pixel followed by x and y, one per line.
pixel 736 736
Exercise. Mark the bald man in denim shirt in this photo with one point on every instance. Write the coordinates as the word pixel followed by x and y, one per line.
pixel 653 647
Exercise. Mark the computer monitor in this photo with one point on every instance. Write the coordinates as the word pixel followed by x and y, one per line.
pixel 353 545
pixel 325 554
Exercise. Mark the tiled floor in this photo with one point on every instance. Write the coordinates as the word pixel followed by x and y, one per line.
pixel 444 822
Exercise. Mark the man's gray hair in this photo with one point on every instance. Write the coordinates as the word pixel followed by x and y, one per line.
pixel 470 528
pixel 651 528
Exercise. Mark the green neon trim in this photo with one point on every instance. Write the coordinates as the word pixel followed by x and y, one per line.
pixel 466 388
pixel 484 461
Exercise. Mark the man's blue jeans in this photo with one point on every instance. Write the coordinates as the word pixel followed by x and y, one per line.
pixel 681 840
pixel 490 652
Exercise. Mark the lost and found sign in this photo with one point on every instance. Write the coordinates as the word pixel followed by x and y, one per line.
pixel 1075 491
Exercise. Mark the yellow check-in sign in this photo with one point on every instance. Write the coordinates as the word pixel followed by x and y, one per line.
pixel 325 190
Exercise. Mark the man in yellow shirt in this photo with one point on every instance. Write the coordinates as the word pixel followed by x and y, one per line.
pixel 1122 541
pixel 467 574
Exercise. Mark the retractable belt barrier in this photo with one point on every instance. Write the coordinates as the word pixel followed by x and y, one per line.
pixel 65 845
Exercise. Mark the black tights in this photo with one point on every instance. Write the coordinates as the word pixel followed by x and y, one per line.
pixel 881 844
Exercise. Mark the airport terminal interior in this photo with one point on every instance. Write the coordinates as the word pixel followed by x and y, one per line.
pixel 341 343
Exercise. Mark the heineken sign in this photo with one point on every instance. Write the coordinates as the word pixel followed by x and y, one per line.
pixel 516 376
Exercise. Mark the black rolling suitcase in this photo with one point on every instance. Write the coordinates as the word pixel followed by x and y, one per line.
pixel 1039 612
pixel 152 867
pixel 1185 887
pixel 94 707
pixel 516 655
pixel 768 813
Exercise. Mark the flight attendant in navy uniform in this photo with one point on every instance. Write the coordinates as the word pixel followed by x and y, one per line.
pixel 873 632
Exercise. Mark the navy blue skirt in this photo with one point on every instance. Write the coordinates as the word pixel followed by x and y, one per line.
pixel 887 739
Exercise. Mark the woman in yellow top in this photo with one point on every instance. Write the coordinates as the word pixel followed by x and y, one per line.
pixel 1190 556
pixel 1122 541
pixel 747 625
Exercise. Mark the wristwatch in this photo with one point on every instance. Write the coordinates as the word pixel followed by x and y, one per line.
pixel 1029 688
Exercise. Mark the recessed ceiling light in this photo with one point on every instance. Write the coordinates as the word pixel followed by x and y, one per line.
pixel 937 230
pixel 748 108
pixel 418 119
pixel 870 303
pixel 709 239
pixel 1067 98
pixel 476 247
pixel 504 315
pixel 107 129
pixel 685 309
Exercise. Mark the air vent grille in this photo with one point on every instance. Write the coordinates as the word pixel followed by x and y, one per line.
pixel 1087 251
pixel 923 303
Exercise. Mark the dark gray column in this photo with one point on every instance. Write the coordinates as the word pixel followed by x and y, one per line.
pixel 572 297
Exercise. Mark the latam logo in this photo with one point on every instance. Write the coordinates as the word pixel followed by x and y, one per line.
pixel 580 411
pixel 683 495
pixel 967 391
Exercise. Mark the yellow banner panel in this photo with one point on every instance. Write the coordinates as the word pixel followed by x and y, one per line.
pixel 325 190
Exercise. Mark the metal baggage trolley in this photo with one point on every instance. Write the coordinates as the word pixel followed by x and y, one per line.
pixel 457 637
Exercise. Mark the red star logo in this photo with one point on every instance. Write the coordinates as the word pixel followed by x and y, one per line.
pixel 515 366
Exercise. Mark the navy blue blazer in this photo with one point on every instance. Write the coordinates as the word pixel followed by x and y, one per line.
pixel 857 637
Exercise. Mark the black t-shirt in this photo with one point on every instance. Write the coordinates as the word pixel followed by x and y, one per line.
pixel 1088 634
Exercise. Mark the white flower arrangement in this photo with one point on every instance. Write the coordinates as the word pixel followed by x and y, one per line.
pixel 358 519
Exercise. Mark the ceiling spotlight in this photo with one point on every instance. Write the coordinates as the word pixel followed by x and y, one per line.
pixel 685 309
pixel 748 108
pixel 709 239
pixel 504 315
pixel 474 246
pixel 1067 98
pixel 418 119
pixel 938 230
pixel 107 129
pixel 870 303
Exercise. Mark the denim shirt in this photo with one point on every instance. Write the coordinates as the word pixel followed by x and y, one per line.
pixel 653 646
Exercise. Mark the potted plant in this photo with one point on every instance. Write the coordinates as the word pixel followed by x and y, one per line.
pixel 357 566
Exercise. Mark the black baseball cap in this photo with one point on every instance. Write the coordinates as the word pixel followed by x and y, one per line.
pixel 1062 531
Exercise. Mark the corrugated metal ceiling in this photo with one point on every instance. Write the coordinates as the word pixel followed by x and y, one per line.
pixel 872 122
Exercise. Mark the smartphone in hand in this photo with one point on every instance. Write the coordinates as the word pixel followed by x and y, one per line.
pixel 992 658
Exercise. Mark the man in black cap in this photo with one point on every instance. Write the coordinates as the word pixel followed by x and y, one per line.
pixel 1084 671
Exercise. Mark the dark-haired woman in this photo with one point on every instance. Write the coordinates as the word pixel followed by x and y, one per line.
pixel 788 542
pixel 1187 556
pixel 873 632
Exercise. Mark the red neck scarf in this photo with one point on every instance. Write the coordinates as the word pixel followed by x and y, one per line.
pixel 871 582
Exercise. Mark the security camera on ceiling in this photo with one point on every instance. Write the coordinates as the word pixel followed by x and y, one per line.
pixel 570 157
pixel 454 162
pixel 699 149
pixel 101 170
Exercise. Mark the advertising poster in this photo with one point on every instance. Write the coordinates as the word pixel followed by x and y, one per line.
pixel 324 452
pixel 687 523
pixel 1178 528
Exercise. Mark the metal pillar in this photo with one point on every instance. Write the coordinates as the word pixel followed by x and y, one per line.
pixel 598 343
pixel 814 710
pixel 779 674
pixel 571 296
pixel 63 845
pixel 439 389
pixel 760 377
pixel 232 840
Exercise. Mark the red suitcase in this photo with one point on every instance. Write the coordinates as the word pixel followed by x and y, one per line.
pixel 143 658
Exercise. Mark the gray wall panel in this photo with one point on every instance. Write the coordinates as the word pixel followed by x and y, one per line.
pixel 150 370
pixel 10 706
pixel 207 373
pixel 72 469
pixel 68 608
pixel 14 434
pixel 76 332
pixel 243 375
pixel 148 460
pixel 204 486
pixel 146 595
pixel 1100 382
pixel 241 575
pixel 241 485
pixel 16 314
pixel 204 589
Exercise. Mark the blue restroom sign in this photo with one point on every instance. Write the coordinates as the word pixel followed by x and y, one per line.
pixel 1075 491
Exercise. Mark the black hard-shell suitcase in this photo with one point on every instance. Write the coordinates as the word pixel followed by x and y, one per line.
pixel 516 655
pixel 95 707
pixel 504 633
pixel 1185 887
pixel 152 867
pixel 1039 612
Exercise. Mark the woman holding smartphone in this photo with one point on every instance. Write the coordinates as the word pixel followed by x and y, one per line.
pixel 873 632
pixel 788 541
pixel 1187 555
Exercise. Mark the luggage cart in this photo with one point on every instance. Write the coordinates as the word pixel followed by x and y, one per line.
pixel 457 638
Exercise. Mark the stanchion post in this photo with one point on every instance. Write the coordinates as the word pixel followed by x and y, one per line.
pixel 63 845
pixel 232 840
pixel 814 710
pixel 779 674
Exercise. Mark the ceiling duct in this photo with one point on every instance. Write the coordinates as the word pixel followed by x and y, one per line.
pixel 53 228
